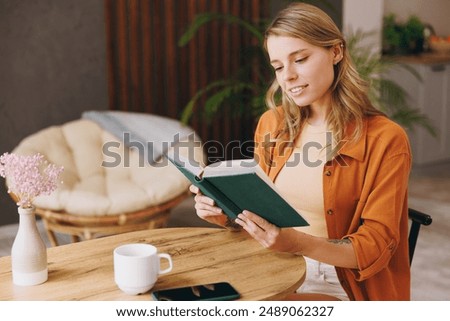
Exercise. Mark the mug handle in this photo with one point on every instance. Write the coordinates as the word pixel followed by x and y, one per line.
pixel 168 258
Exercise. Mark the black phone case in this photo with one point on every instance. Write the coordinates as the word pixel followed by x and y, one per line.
pixel 211 292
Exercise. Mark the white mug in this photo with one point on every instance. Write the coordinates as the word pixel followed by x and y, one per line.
pixel 137 267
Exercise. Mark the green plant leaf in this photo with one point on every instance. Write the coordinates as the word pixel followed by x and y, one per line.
pixel 245 90
pixel 205 18
pixel 409 118
pixel 226 95
pixel 213 103
pixel 219 92
pixel 384 93
pixel 188 110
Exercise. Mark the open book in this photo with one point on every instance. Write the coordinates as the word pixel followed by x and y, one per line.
pixel 239 185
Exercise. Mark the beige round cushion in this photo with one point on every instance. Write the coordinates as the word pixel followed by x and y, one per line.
pixel 87 187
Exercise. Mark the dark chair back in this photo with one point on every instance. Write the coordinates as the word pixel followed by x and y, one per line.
pixel 417 220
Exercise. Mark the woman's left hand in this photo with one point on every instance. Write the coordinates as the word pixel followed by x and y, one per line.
pixel 269 235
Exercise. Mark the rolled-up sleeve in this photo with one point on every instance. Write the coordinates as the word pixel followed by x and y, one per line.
pixel 382 210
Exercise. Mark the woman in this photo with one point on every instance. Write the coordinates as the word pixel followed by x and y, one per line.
pixel 352 189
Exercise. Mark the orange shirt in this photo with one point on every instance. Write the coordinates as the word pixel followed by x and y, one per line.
pixel 365 200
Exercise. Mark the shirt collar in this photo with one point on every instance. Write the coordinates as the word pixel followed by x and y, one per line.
pixel 357 149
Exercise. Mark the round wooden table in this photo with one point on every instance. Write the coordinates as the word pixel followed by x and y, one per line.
pixel 84 271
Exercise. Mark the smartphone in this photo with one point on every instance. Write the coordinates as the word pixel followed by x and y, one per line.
pixel 221 291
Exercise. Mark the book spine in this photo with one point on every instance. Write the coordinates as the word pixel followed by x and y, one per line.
pixel 229 208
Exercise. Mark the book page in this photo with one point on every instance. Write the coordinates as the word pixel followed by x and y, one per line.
pixel 231 167
pixel 183 162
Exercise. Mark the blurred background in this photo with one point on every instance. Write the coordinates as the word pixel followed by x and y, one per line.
pixel 59 58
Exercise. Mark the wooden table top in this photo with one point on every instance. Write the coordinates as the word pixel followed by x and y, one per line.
pixel 84 271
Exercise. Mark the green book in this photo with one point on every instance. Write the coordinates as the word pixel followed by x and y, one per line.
pixel 239 185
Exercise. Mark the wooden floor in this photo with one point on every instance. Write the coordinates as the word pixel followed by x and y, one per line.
pixel 429 192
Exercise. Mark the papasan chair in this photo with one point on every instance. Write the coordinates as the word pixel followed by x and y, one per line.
pixel 115 177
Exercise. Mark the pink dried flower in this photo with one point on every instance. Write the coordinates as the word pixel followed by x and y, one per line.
pixel 29 176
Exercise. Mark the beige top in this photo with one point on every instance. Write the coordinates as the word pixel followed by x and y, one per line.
pixel 300 180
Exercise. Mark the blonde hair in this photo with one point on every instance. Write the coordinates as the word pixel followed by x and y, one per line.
pixel 349 99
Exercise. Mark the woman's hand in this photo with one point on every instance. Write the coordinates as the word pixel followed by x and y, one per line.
pixel 206 208
pixel 269 235
pixel 335 252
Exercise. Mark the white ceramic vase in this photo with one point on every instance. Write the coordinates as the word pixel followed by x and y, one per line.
pixel 28 253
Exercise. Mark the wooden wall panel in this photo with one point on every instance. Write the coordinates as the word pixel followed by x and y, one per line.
pixel 148 72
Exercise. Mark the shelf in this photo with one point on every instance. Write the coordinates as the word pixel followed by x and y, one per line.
pixel 424 58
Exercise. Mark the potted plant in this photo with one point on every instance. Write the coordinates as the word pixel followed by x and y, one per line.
pixel 384 93
pixel 403 38
pixel 245 90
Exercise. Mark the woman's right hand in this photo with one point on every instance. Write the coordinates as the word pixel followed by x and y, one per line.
pixel 206 208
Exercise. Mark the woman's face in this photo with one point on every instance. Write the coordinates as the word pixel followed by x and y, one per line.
pixel 304 72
